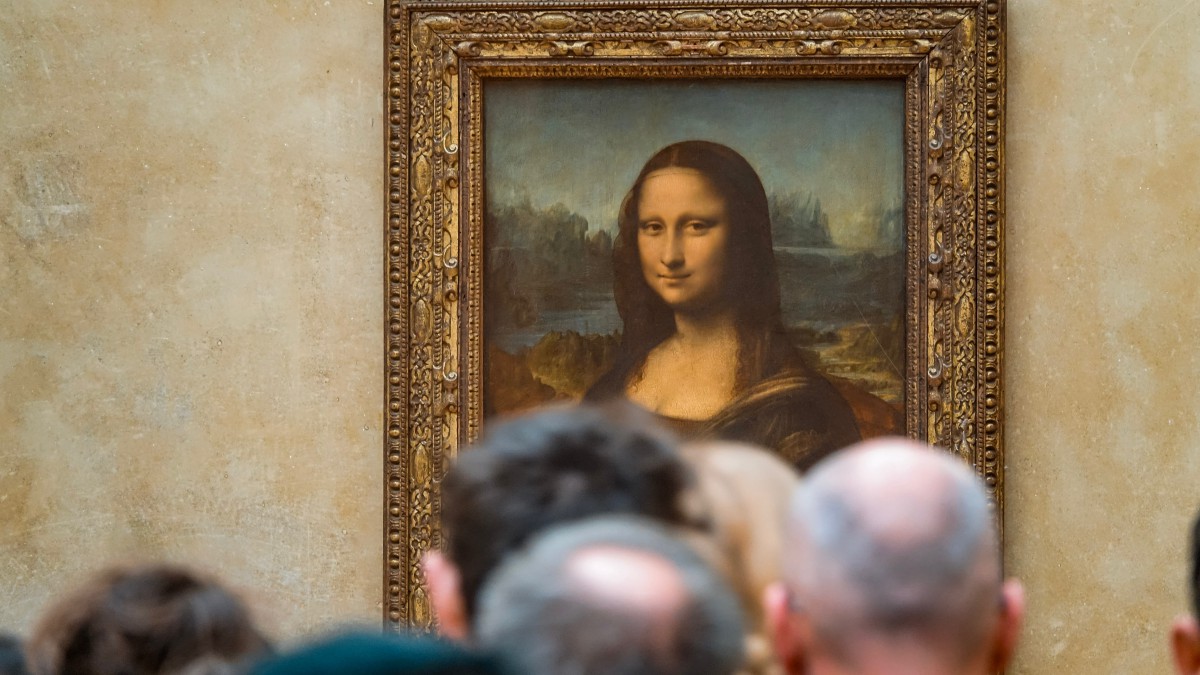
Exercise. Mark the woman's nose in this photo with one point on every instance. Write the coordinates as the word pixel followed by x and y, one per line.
pixel 672 251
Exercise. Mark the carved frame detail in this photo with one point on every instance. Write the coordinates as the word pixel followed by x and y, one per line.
pixel 950 54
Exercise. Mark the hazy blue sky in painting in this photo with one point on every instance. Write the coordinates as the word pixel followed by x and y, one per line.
pixel 582 142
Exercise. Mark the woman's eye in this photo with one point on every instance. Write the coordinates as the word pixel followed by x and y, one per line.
pixel 651 227
pixel 699 226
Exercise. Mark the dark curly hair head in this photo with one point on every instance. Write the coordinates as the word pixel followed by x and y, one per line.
pixel 552 467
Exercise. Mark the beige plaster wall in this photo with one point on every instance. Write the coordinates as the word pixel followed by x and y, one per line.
pixel 191 320
pixel 1103 375
pixel 191 324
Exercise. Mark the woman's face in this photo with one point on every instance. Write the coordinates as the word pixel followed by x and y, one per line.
pixel 683 234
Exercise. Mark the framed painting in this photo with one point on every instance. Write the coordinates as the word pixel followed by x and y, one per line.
pixel 775 222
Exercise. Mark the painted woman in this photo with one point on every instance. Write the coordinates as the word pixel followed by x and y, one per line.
pixel 704 346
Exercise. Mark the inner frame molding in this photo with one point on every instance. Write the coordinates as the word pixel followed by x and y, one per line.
pixel 950 56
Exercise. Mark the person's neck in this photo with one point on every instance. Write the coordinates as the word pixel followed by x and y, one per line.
pixel 897 660
pixel 896 667
pixel 699 331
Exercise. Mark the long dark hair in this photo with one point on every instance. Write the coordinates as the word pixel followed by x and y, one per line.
pixel 752 283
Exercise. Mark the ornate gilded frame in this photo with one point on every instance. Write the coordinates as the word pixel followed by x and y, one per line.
pixel 949 53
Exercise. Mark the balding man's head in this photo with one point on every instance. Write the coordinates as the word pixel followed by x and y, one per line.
pixel 891 543
pixel 611 596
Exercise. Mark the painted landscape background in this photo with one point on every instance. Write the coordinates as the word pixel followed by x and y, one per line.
pixel 559 157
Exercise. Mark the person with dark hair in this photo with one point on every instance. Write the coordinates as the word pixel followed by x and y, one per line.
pixel 611 596
pixel 375 654
pixel 539 470
pixel 1185 631
pixel 144 620
pixel 891 565
pixel 696 285
pixel 12 659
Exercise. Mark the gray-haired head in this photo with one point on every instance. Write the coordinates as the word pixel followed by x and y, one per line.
pixel 894 541
pixel 611 596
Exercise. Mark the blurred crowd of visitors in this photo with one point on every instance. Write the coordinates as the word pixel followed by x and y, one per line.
pixel 587 541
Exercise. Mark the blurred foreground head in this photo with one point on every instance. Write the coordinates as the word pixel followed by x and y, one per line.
pixel 611 596
pixel 12 656
pixel 746 491
pixel 892 565
pixel 1185 631
pixel 531 472
pixel 376 654
pixel 144 620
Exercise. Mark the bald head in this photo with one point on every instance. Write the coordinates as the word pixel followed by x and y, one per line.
pixel 611 596
pixel 891 541
pixel 632 583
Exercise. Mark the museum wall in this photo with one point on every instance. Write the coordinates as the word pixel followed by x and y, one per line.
pixel 1103 381
pixel 191 323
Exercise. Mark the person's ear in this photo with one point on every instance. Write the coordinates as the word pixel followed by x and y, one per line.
pixel 445 595
pixel 1008 628
pixel 785 629
pixel 1185 645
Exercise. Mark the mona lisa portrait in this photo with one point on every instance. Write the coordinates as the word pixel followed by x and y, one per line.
pixel 737 275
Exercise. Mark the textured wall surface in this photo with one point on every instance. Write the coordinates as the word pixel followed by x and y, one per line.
pixel 191 322
pixel 191 328
pixel 1103 372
